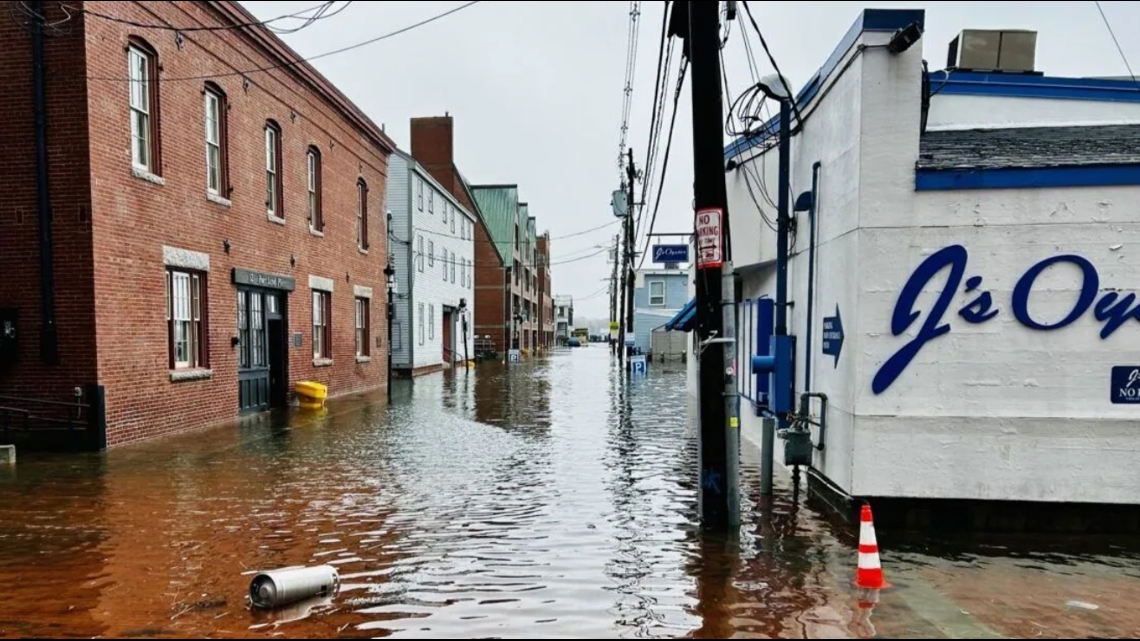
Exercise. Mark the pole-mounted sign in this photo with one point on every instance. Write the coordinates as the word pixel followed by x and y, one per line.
pixel 710 239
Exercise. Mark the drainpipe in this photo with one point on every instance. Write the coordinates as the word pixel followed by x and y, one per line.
pixel 812 208
pixel 49 336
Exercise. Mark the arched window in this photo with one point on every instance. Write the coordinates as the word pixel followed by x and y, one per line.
pixel 142 72
pixel 216 107
pixel 274 201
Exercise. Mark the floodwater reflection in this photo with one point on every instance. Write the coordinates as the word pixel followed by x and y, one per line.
pixel 546 499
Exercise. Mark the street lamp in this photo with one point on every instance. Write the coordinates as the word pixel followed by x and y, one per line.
pixel 390 277
pixel 463 317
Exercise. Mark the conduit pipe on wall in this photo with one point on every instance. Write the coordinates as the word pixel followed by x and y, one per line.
pixel 809 201
pixel 49 336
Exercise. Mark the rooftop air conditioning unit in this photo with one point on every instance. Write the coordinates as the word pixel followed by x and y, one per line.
pixel 995 50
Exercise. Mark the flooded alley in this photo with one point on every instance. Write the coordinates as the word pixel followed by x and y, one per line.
pixel 546 500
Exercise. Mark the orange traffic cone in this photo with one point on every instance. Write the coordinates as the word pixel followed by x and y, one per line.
pixel 869 574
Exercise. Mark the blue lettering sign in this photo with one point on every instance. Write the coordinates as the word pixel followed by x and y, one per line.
pixel 1112 310
pixel 833 335
pixel 670 253
pixel 1125 385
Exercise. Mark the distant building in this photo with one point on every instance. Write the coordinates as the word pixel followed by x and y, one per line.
pixel 431 240
pixel 563 319
pixel 658 295
pixel 212 241
pixel 546 298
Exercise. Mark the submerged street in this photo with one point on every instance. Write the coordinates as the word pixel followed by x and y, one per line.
pixel 545 500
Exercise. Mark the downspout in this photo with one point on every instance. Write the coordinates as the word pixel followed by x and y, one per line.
pixel 49 336
pixel 811 275
pixel 410 296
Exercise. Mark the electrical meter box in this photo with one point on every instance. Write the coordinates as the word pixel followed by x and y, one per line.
pixel 9 336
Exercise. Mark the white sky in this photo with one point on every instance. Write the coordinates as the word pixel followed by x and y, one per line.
pixel 536 88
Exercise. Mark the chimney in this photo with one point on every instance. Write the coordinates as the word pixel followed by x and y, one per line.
pixel 432 145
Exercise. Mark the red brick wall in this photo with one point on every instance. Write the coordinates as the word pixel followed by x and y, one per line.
pixel 490 306
pixel 134 218
pixel 69 182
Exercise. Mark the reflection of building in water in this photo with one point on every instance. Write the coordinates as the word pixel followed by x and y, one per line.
pixel 969 229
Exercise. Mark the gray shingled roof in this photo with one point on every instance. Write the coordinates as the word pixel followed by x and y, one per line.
pixel 1030 147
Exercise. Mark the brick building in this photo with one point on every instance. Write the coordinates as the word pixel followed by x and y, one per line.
pixel 545 296
pixel 215 218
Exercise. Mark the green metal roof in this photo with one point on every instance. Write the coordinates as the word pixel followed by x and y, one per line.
pixel 531 239
pixel 500 207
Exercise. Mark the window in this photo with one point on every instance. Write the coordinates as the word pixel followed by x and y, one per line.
pixel 362 214
pixel 444 208
pixel 252 339
pixel 453 221
pixel 443 261
pixel 217 156
pixel 431 202
pixel 316 222
pixel 322 324
pixel 431 253
pixel 431 322
pixel 463 273
pixel 656 293
pixel 420 321
pixel 419 253
pixel 273 193
pixel 142 70
pixel 453 267
pixel 362 327
pixel 419 194
pixel 185 319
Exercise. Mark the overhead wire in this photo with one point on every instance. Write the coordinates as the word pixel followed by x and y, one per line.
pixel 322 11
pixel 1112 33
pixel 682 69
pixel 309 59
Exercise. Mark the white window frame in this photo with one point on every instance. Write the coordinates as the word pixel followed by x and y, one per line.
pixel 431 201
pixel 184 310
pixel 452 267
pixel 431 253
pixel 419 253
pixel 419 194
pixel 213 107
pixel 271 178
pixel 363 327
pixel 312 161
pixel 142 120
pixel 322 324
pixel 652 296
pixel 453 221
pixel 420 322
pixel 431 321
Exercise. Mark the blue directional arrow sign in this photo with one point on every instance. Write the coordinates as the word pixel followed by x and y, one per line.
pixel 833 335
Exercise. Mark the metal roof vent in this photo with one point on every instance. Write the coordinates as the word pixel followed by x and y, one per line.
pixel 994 50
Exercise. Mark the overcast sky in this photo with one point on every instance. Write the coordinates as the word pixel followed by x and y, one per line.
pixel 536 88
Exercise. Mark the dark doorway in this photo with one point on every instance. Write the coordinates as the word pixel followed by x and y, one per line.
pixel 263 376
pixel 448 331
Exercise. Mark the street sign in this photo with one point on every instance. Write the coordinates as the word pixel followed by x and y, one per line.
pixel 710 239
pixel 833 335
pixel 670 253
pixel 514 356
pixel 1126 385
pixel 637 365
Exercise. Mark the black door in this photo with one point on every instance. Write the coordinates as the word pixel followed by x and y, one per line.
pixel 253 346
pixel 278 359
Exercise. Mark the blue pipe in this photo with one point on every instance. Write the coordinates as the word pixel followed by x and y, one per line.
pixel 811 276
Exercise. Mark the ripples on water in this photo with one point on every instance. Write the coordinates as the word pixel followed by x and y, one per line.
pixel 543 501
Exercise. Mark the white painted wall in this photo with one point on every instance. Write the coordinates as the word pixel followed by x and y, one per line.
pixel 399 195
pixel 991 411
pixel 435 278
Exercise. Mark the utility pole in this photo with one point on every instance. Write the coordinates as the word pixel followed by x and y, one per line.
pixel 631 178
pixel 614 297
pixel 718 445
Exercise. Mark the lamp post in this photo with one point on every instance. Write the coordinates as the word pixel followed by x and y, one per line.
pixel 463 318
pixel 390 276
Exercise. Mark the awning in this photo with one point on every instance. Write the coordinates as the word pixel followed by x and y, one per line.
pixel 683 321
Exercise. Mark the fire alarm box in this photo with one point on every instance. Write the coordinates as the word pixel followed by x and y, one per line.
pixel 9 336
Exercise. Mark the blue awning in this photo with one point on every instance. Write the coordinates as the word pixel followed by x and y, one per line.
pixel 683 321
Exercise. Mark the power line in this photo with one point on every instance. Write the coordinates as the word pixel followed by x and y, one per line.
pixel 492 242
pixel 322 12
pixel 772 59
pixel 664 55
pixel 630 75
pixel 312 58
pixel 1113 34
pixel 665 162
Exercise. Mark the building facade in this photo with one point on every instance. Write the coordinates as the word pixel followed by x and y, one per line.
pixel 431 241
pixel 545 298
pixel 658 295
pixel 974 232
pixel 215 234
pixel 563 319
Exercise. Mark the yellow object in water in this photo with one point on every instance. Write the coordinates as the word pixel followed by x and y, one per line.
pixel 311 395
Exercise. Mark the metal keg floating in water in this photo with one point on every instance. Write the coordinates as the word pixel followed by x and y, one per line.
pixel 278 588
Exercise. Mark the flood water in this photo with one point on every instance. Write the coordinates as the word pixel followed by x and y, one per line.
pixel 547 500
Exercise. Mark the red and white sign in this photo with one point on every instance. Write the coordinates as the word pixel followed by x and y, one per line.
pixel 710 238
